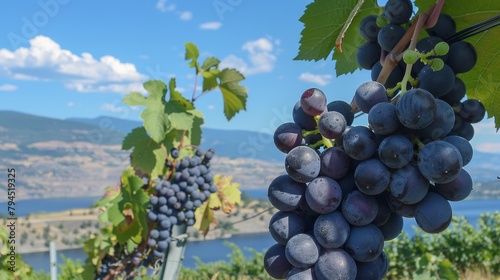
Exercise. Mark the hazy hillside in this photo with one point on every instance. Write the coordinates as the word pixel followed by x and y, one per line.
pixel 227 143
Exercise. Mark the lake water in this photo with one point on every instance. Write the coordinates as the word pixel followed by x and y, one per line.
pixel 215 250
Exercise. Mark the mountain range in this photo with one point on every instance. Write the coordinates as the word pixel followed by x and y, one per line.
pixel 79 156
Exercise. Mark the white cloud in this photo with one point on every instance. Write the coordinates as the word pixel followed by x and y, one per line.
pixel 485 127
pixel 7 87
pixel 489 147
pixel 108 107
pixel 211 107
pixel 212 25
pixel 321 80
pixel 260 54
pixel 45 60
pixel 71 104
pixel 162 6
pixel 186 15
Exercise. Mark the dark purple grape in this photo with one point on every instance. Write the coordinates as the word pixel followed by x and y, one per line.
pixel 408 185
pixel 369 29
pixel 302 250
pixel 287 136
pixel 313 102
pixel 472 110
pixel 383 119
pixel 342 107
pixel 439 161
pixel 323 195
pixel 462 57
pixel 368 94
pixel 463 146
pixel 302 119
pixel 285 224
pixel 359 209
pixel 334 162
pixel 416 109
pixel 302 164
pixel 433 214
pixel 368 54
pixel 331 230
pixel 445 27
pixel 365 243
pixel 395 151
pixel 458 189
pixel 372 177
pixel 359 143
pixel 393 227
pixel 275 262
pixel 389 36
pixel 442 124
pixel 286 194
pixel 398 11
pixel 332 124
pixel 439 83
pixel 335 264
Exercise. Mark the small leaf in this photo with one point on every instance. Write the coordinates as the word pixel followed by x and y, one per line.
pixel 234 95
pixel 227 193
pixel 192 53
pixel 209 63
pixel 145 153
pixel 134 99
pixel 177 97
pixel 155 122
pixel 204 218
pixel 209 80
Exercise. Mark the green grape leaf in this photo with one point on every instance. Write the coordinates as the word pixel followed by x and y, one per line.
pixel 234 95
pixel 179 118
pixel 446 270
pixel 192 53
pixel 154 117
pixel 204 218
pixel 209 63
pixel 176 96
pixel 482 82
pixel 147 156
pixel 323 22
pixel 195 133
pixel 209 79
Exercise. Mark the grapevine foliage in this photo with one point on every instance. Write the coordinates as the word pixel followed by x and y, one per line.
pixel 168 140
pixel 323 21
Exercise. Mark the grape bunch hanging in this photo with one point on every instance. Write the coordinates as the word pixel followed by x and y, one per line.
pixel 347 187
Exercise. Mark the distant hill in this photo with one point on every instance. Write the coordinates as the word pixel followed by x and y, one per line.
pixel 227 143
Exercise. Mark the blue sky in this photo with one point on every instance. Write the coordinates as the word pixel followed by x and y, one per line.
pixel 68 58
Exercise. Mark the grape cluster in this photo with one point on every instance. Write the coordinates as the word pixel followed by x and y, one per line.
pixel 105 268
pixel 176 200
pixel 347 188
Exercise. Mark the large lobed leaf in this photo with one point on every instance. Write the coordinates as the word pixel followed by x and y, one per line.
pixel 147 156
pixel 233 94
pixel 323 22
pixel 482 82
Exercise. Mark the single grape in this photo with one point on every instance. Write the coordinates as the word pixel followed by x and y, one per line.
pixel 395 151
pixel 439 161
pixel 416 109
pixel 365 243
pixel 302 164
pixel 462 57
pixel 286 194
pixel 304 120
pixel 383 119
pixel 472 110
pixel 433 214
pixel 389 36
pixel 323 195
pixel 342 107
pixel 287 136
pixel 372 176
pixel 302 250
pixel 410 57
pixel 393 227
pixel 398 11
pixel 313 102
pixel 368 54
pixel 285 224
pixel 359 143
pixel 332 124
pixel 335 264
pixel 368 28
pixel 445 27
pixel 275 262
pixel 439 83
pixel 331 230
pixel 463 146
pixel 408 185
pixel 359 209
pixel 368 94
pixel 335 162
pixel 458 189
